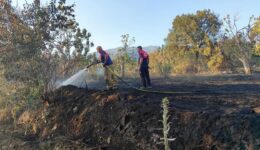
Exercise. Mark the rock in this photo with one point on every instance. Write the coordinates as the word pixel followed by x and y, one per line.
pixel 257 110
pixel 98 98
pixel 113 98
pixel 54 127
pixel 75 109
pixel 108 140
pixel 130 97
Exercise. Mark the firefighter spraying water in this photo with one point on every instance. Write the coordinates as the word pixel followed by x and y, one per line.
pixel 107 63
pixel 81 77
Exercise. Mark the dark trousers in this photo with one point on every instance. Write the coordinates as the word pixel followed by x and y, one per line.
pixel 145 76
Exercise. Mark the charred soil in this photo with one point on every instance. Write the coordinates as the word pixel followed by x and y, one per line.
pixel 217 114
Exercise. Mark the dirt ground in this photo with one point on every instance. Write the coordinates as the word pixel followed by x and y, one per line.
pixel 206 112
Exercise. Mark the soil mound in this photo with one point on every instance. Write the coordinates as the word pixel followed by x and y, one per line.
pixel 129 120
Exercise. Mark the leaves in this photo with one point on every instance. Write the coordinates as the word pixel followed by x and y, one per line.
pixel 192 30
pixel 193 40
pixel 42 41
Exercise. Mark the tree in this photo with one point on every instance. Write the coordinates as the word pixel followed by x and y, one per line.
pixel 123 54
pixel 161 62
pixel 195 35
pixel 193 30
pixel 243 42
pixel 72 42
pixel 255 34
pixel 41 38
pixel 8 24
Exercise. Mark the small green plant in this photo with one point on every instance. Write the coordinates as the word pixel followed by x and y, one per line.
pixel 166 124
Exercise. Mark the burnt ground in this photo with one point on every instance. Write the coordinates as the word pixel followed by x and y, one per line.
pixel 206 112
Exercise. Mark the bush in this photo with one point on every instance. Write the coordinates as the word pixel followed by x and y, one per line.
pixel 215 63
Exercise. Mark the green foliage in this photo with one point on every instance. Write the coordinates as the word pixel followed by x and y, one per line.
pixel 215 63
pixel 185 62
pixel 160 62
pixel 193 40
pixel 255 34
pixel 194 31
pixel 196 44
pixel 130 65
pixel 191 45
pixel 123 62
pixel 44 42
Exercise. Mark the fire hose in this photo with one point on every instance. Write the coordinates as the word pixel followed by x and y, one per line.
pixel 159 91
pixel 135 88
pixel 145 90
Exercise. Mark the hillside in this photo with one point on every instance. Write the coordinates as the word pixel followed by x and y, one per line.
pixel 73 118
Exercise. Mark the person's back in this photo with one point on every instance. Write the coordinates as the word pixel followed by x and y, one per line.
pixel 105 58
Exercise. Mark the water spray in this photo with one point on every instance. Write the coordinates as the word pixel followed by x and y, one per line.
pixel 83 79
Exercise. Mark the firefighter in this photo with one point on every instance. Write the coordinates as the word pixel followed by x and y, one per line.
pixel 143 66
pixel 107 63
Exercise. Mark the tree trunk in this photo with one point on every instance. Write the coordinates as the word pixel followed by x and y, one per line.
pixel 124 53
pixel 246 65
pixel 123 69
pixel 197 67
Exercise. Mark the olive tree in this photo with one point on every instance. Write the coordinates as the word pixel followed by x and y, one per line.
pixel 243 42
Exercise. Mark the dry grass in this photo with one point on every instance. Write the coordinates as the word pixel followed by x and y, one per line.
pixel 5 115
